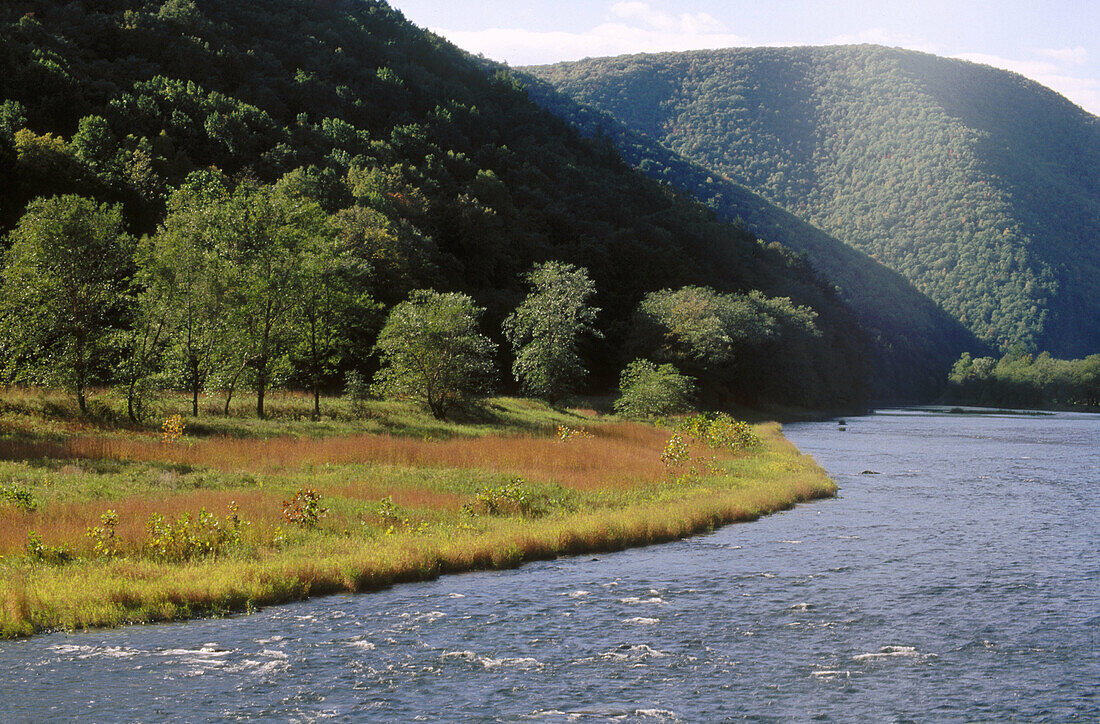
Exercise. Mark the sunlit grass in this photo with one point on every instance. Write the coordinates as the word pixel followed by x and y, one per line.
pixel 399 506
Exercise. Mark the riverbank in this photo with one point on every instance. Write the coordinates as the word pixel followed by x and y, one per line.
pixel 103 526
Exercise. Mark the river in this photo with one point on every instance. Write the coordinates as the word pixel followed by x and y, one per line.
pixel 959 583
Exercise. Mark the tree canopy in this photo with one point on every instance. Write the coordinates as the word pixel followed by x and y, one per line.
pixel 432 351
pixel 546 329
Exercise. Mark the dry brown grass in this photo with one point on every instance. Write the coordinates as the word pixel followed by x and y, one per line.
pixel 68 522
pixel 616 455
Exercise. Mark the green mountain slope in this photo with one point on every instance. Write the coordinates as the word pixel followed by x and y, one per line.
pixel 979 186
pixel 914 340
pixel 463 179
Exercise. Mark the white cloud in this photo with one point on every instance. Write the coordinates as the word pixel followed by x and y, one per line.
pixel 530 47
pixel 631 26
pixel 684 24
pixel 1067 56
pixel 638 26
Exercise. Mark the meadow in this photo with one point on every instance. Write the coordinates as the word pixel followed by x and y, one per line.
pixel 103 523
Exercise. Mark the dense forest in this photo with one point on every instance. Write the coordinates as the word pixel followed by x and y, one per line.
pixel 1023 380
pixel 315 161
pixel 978 185
pixel 913 339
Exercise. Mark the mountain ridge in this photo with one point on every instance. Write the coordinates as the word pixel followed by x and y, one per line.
pixel 917 160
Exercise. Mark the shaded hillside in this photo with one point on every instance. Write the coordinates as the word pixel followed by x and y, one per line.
pixel 462 181
pixel 980 186
pixel 914 340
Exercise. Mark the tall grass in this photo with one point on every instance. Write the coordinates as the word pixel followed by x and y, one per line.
pixel 400 508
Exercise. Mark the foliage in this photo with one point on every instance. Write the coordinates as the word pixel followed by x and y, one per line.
pixel 40 552
pixel 431 351
pixel 1023 380
pixel 648 390
pixel 676 451
pixel 187 538
pixel 357 391
pixel 304 509
pixel 978 186
pixel 720 431
pixel 62 283
pixel 381 149
pixel 104 537
pixel 19 496
pixel 390 515
pixel 512 498
pixel 546 328
pixel 568 433
pixel 731 343
pixel 172 429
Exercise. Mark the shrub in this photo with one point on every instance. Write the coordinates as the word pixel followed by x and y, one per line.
pixel 103 536
pixel 390 514
pixel 304 509
pixel 676 451
pixel 18 496
pixel 720 431
pixel 565 432
pixel 648 390
pixel 357 392
pixel 512 498
pixel 40 552
pixel 186 537
pixel 172 429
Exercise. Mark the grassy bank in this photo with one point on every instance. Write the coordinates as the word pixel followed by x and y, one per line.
pixel 103 525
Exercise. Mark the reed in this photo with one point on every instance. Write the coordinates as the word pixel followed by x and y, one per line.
pixel 400 507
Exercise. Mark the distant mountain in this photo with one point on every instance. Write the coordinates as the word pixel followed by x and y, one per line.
pixel 979 186
pixel 456 178
pixel 913 339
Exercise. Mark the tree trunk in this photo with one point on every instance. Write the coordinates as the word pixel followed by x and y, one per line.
pixel 261 383
pixel 81 401
pixel 194 386
pixel 131 392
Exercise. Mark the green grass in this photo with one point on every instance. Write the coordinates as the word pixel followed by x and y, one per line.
pixel 407 498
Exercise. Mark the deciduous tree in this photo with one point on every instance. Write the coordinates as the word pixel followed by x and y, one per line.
pixel 546 329
pixel 432 351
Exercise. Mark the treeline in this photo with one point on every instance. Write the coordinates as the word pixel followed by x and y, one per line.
pixel 976 184
pixel 434 173
pixel 257 286
pixel 1023 380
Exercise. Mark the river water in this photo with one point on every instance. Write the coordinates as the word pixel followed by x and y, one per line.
pixel 961 583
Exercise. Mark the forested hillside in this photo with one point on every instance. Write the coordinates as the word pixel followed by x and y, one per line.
pixel 304 119
pixel 914 340
pixel 979 186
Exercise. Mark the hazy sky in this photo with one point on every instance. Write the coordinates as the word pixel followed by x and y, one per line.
pixel 1056 42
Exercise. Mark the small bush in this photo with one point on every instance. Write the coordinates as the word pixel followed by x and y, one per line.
pixel 648 390
pixel 104 537
pixel 19 496
pixel 186 538
pixel 304 509
pixel 512 498
pixel 40 552
pixel 172 429
pixel 390 514
pixel 675 452
pixel 357 392
pixel 565 432
pixel 720 431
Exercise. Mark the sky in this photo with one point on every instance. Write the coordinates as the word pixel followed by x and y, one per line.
pixel 1055 42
